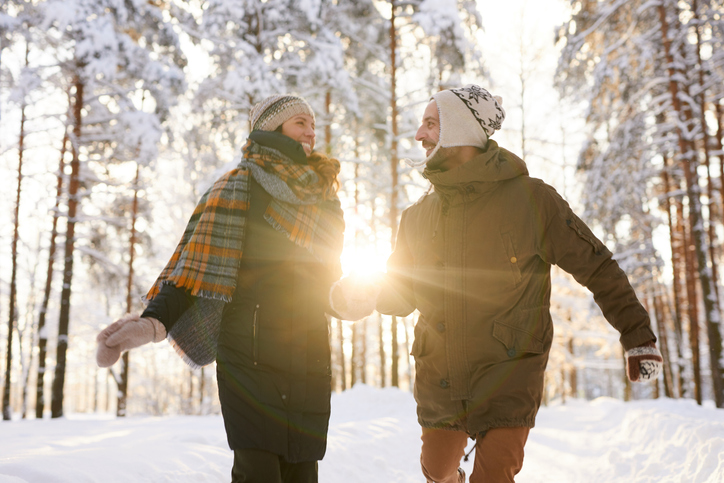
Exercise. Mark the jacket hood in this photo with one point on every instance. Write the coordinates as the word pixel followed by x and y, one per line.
pixel 493 165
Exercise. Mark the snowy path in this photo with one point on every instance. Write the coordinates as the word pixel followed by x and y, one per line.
pixel 374 438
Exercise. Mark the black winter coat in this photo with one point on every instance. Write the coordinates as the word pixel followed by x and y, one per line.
pixel 273 361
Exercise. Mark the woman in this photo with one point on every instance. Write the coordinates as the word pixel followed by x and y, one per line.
pixel 247 286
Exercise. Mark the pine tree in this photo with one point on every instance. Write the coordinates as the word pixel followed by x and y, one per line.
pixel 611 49
pixel 118 52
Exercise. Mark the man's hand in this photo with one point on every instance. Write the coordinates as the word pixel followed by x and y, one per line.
pixel 643 363
pixel 355 297
pixel 126 333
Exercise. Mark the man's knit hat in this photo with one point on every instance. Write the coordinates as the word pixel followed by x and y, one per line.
pixel 273 111
pixel 468 117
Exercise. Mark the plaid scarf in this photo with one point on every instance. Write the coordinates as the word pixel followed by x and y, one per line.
pixel 206 260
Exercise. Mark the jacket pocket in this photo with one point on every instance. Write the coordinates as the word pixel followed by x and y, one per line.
pixel 530 332
pixel 255 336
pixel 418 344
pixel 511 254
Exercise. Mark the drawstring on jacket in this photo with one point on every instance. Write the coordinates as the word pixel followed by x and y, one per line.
pixel 468 454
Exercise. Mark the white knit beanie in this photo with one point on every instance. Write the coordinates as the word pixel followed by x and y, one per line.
pixel 468 117
pixel 275 110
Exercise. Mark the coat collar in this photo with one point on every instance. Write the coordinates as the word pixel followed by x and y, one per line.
pixel 286 145
pixel 478 175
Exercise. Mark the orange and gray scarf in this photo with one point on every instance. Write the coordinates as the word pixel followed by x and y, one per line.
pixel 206 260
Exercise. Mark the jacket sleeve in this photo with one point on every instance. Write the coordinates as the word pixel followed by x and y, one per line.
pixel 168 305
pixel 564 239
pixel 397 296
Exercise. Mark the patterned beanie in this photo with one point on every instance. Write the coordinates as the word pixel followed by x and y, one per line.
pixel 273 111
pixel 468 117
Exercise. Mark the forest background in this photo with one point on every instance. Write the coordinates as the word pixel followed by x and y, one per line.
pixel 115 116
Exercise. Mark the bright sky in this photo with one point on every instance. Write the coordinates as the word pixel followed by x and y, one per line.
pixel 519 38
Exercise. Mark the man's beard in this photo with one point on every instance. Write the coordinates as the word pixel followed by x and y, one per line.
pixel 438 159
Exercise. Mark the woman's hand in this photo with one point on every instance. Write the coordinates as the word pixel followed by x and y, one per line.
pixel 355 297
pixel 126 333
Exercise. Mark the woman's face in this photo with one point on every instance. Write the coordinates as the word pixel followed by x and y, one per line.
pixel 301 129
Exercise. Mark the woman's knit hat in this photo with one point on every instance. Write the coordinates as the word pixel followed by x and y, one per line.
pixel 273 111
pixel 468 117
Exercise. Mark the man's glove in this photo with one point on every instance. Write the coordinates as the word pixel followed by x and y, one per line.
pixel 643 363
pixel 126 333
pixel 355 297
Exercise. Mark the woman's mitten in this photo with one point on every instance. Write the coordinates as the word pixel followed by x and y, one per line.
pixel 353 297
pixel 126 333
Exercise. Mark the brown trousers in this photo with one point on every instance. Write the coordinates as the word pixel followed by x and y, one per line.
pixel 498 455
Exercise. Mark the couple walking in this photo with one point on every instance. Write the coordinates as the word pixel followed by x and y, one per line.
pixel 258 267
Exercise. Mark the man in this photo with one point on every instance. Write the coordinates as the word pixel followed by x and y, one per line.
pixel 474 257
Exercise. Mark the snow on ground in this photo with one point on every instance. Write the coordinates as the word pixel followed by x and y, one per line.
pixel 374 436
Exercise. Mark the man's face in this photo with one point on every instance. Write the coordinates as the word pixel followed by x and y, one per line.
pixel 429 131
pixel 429 135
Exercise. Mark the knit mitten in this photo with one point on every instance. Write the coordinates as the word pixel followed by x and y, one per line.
pixel 126 333
pixel 643 363
pixel 355 297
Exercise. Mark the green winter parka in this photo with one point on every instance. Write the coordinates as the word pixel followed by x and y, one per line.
pixel 474 257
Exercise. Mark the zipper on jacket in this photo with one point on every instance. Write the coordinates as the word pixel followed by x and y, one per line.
pixel 254 332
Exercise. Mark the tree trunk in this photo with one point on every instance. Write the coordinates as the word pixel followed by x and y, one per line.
pixel 676 272
pixel 693 312
pixel 363 356
pixel 188 407
pixel 202 390
pixel 12 309
pixel 42 333
pixel 573 371
pixel 394 366
pixel 713 327
pixel 394 161
pixel 383 364
pixel 342 365
pixel 663 342
pixel 705 147
pixel 328 123
pixel 12 316
pixel 626 382
pixel 123 386
pixel 355 359
pixel 27 362
pixel 56 404
pixel 353 362
pixel 711 304
pixel 720 147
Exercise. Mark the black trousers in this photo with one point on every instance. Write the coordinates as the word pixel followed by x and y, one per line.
pixel 257 466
